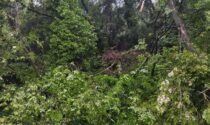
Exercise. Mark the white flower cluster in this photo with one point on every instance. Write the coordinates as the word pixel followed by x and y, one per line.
pixel 37 3
pixel 165 82
pixel 164 85
pixel 166 88
pixel 170 90
pixel 3 60
pixel 163 99
pixel 144 71
pixel 190 83
pixel 171 74
pixel 14 49
pixel 179 105
pixel 70 77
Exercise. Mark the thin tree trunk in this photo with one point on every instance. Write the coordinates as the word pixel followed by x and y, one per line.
pixel 17 22
pixel 180 26
pixel 84 6
pixel 17 16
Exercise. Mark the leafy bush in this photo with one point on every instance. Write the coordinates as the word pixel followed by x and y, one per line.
pixel 64 96
pixel 170 95
pixel 179 99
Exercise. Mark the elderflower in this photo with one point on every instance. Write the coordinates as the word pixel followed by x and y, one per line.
pixel 70 77
pixel 14 47
pixel 76 72
pixel 4 60
pixel 170 90
pixel 144 71
pixel 190 83
pixel 165 82
pixel 175 69
pixel 179 105
pixel 187 116
pixel 171 74
pixel 160 109
pixel 163 99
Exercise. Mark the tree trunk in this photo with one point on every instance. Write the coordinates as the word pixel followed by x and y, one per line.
pixel 180 26
pixel 84 6
pixel 17 16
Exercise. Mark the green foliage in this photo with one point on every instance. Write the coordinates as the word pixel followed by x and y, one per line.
pixel 141 45
pixel 64 96
pixel 206 115
pixel 48 64
pixel 170 95
pixel 178 99
pixel 72 37
pixel 181 79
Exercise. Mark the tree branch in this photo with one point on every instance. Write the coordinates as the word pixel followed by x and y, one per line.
pixel 28 8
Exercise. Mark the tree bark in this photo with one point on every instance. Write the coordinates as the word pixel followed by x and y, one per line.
pixel 17 16
pixel 185 39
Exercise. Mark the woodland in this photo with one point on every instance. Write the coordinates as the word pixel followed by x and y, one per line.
pixel 104 62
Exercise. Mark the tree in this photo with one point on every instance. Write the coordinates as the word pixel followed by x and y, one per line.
pixel 180 26
pixel 73 38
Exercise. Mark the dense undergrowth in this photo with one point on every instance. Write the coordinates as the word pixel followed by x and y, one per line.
pixel 173 94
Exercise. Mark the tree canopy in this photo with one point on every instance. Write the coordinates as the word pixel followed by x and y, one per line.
pixel 104 62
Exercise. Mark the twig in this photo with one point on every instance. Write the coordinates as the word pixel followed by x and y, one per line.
pixel 107 68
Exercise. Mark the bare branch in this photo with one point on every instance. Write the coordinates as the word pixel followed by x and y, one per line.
pixel 142 6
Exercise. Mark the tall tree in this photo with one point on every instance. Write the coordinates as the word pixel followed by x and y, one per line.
pixel 73 37
pixel 180 26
